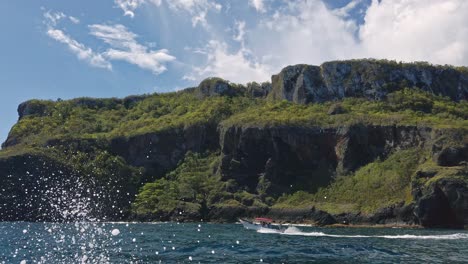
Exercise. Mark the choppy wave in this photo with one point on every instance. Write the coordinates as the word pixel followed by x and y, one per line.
pixel 294 231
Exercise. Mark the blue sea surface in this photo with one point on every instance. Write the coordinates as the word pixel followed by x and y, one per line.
pixel 84 242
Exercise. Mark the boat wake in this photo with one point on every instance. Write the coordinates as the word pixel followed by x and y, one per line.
pixel 294 231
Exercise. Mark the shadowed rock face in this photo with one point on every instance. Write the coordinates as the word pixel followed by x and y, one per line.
pixel 160 152
pixel 307 157
pixel 370 79
pixel 433 210
pixel 452 156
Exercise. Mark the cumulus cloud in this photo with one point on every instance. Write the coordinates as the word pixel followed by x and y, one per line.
pixel 299 32
pixel 124 47
pixel 81 51
pixel 431 30
pixel 303 32
pixel 259 5
pixel 308 31
pixel 345 10
pixel 236 66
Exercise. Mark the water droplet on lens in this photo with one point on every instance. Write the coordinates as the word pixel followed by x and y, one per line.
pixel 115 232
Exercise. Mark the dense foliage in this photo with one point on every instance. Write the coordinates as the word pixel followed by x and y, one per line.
pixel 107 118
pixel 405 107
pixel 192 187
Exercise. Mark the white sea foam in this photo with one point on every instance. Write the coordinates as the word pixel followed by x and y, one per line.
pixel 268 231
pixel 294 231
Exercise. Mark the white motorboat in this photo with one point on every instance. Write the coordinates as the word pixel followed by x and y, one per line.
pixel 262 224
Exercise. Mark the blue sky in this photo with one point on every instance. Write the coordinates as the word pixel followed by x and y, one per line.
pixel 53 49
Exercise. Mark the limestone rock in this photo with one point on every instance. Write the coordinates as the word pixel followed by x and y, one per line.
pixel 371 79
pixel 216 87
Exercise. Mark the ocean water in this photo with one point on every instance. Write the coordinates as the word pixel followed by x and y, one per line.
pixel 85 242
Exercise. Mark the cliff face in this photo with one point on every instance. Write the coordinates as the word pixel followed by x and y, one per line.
pixel 160 152
pixel 100 154
pixel 369 79
pixel 291 157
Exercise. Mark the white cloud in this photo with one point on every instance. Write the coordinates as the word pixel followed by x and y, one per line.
pixel 124 47
pixel 193 6
pixel 410 30
pixel 344 11
pixel 234 66
pixel 300 32
pixel 129 6
pixel 303 32
pixel 74 20
pixel 52 18
pixel 259 5
pixel 240 31
pixel 199 19
pixel 81 51
pixel 122 42
pixel 198 9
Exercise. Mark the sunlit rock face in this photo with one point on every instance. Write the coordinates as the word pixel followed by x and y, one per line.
pixel 365 78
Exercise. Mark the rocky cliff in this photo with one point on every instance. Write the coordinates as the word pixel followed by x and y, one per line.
pixel 345 142
pixel 297 156
pixel 370 79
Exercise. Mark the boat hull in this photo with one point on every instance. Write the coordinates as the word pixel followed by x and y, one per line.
pixel 257 226
pixel 250 225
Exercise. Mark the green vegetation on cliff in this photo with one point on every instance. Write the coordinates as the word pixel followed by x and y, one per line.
pixel 109 118
pixel 193 183
pixel 405 107
pixel 377 185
